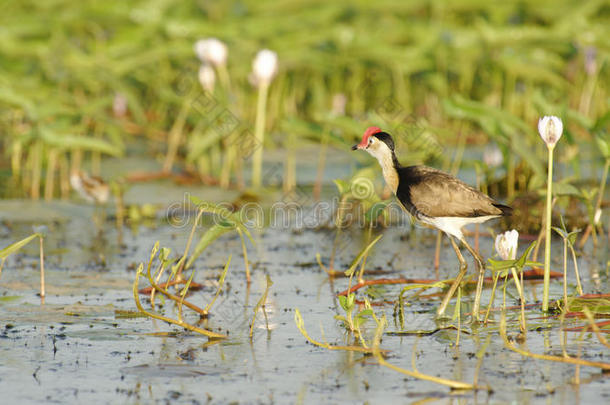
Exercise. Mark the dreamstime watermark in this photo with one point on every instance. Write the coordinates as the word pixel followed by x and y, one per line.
pixel 285 214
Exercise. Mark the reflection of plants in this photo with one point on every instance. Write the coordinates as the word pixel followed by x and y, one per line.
pixel 298 319
pixel 374 347
pixel 381 325
pixel 261 305
pixel 564 359
pixel 399 306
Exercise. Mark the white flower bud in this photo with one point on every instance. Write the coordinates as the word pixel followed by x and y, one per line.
pixel 212 51
pixel 506 244
pixel 550 129
pixel 264 67
pixel 207 77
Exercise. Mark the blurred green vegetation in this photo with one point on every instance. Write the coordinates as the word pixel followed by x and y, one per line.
pixel 432 72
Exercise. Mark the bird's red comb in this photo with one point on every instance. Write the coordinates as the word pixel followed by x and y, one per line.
pixel 367 134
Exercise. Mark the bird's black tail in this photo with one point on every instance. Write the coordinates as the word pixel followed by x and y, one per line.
pixel 506 210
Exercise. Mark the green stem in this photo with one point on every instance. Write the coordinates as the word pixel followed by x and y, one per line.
pixel 578 284
pixel 36 170
pixel 510 179
pixel 16 153
pixel 491 299
pixel 42 283
pixel 602 187
pixel 227 164
pixel 317 187
pixel 259 133
pixel 565 273
pixel 521 297
pixel 547 240
pixel 175 135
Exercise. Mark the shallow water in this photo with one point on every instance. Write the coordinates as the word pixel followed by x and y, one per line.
pixel 76 348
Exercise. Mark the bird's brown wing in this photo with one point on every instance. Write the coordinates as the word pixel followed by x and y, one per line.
pixel 434 193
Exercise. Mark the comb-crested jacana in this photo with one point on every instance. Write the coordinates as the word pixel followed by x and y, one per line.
pixel 437 199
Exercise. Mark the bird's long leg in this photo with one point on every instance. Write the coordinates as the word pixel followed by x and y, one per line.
pixel 481 267
pixel 463 267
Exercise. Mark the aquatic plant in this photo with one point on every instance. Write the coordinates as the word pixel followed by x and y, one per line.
pixel 374 348
pixel 550 129
pixel 350 320
pixel 207 77
pixel 212 51
pixel 225 221
pixel 300 323
pixel 15 247
pixel 260 306
pixel 506 246
pixel 264 69
pixel 569 238
pixel 179 299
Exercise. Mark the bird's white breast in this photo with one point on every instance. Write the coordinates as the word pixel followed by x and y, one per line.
pixel 453 225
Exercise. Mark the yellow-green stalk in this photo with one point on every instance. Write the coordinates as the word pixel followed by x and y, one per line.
pixel 550 129
pixel 264 69
pixel 259 135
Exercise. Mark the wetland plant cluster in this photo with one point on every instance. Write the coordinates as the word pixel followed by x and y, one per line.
pixel 207 88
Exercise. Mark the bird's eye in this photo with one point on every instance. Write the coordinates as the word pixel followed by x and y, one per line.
pixel 371 141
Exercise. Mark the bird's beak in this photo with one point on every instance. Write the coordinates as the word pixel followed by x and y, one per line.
pixel 355 147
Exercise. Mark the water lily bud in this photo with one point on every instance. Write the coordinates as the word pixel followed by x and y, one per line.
pixel 207 77
pixel 264 67
pixel 506 244
pixel 492 157
pixel 212 51
pixel 550 129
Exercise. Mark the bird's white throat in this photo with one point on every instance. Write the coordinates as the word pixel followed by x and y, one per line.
pixel 383 154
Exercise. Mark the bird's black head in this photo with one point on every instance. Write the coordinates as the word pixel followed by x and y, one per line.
pixel 385 138
pixel 380 145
